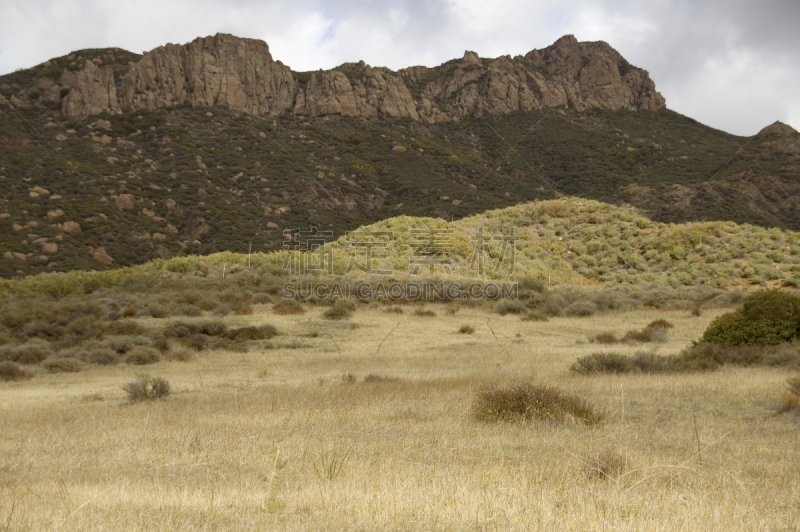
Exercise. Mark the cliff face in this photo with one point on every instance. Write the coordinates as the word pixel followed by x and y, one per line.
pixel 241 74
pixel 220 70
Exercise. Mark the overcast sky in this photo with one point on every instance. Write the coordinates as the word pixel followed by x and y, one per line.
pixel 731 64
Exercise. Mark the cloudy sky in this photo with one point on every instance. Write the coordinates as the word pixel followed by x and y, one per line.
pixel 731 64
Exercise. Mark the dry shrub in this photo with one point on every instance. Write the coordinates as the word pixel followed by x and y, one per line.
pixel 180 329
pixel 11 371
pixel 31 352
pixel 187 310
pixel 581 309
pixel 424 313
pixel 288 306
pixel 535 315
pixel 176 351
pixel 394 309
pixel 794 385
pixel 262 299
pixel 146 388
pixel 534 402
pixel 63 365
pixel 509 306
pixel 341 310
pixel 154 310
pixel 141 355
pixel 126 327
pixel 245 310
pixel 659 325
pixel 123 343
pixel 102 356
pixel 605 465
pixel 655 331
pixel 616 363
pixel 466 329
pixel 244 334
pixel 222 310
pixel 605 338
pixel 789 403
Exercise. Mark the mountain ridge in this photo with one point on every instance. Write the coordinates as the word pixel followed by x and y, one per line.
pixel 241 74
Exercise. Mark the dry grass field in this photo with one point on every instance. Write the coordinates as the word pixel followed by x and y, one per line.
pixel 291 437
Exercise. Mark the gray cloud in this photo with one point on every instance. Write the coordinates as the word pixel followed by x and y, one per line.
pixel 729 64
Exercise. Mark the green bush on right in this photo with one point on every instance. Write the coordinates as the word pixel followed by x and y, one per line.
pixel 771 317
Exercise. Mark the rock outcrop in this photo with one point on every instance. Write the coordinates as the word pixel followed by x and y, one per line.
pixel 91 91
pixel 567 74
pixel 220 70
pixel 241 74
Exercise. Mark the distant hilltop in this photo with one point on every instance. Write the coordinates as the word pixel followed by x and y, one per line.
pixel 241 74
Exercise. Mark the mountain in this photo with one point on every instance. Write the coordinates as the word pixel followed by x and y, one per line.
pixel 240 74
pixel 109 158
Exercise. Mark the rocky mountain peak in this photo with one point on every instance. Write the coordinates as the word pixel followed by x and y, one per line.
pixel 241 74
pixel 778 129
pixel 470 59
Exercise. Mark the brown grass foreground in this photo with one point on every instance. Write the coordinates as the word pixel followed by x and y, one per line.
pixel 278 440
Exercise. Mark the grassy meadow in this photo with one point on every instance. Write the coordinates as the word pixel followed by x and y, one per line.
pixel 367 423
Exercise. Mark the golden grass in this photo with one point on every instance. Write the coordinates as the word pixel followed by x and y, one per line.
pixel 275 439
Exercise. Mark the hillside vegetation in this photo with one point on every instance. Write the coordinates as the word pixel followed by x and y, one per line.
pixel 125 189
pixel 564 242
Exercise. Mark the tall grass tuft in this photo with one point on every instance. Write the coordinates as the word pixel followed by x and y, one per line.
pixel 331 464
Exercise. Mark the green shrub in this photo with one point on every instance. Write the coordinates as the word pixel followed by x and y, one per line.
pixel 11 371
pixel 531 283
pixel 141 355
pixel 146 388
pixel 63 365
pixel 534 402
pixel 617 363
pixel 341 310
pixel 770 317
